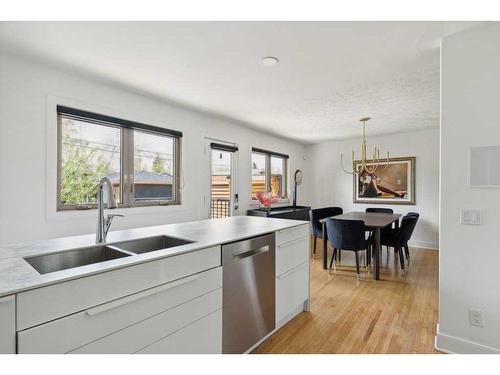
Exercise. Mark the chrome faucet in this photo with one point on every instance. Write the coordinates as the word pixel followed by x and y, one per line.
pixel 103 223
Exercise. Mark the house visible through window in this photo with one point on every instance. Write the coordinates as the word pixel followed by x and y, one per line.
pixel 153 167
pixel 141 161
pixel 269 173
pixel 278 166
pixel 258 174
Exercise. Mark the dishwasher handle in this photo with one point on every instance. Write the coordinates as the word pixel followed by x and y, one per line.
pixel 250 253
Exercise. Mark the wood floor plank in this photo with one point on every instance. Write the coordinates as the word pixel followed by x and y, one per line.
pixel 397 314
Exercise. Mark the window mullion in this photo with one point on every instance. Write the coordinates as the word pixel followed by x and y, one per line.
pixel 128 167
pixel 268 173
pixel 284 193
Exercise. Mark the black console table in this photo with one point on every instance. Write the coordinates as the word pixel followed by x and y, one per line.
pixel 287 212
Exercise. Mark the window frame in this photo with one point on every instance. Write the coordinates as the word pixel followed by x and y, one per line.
pixel 127 128
pixel 268 155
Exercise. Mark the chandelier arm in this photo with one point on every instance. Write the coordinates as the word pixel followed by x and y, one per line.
pixel 346 171
pixel 342 165
pixel 386 164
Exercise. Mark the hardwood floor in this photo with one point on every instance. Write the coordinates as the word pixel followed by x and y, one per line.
pixel 397 314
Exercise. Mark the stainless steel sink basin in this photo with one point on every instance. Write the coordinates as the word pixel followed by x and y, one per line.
pixel 145 245
pixel 73 258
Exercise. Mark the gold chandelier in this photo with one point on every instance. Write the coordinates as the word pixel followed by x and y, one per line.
pixel 362 166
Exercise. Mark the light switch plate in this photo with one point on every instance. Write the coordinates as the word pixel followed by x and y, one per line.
pixel 470 216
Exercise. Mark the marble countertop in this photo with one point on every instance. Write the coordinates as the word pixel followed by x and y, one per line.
pixel 17 275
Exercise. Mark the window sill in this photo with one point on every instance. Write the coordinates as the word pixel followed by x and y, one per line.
pixel 68 214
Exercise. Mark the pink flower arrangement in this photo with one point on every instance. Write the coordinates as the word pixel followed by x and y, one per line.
pixel 266 199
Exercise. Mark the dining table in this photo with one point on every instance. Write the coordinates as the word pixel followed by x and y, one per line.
pixel 374 221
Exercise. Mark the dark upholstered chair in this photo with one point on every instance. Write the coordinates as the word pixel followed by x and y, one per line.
pixel 407 250
pixel 382 211
pixel 398 238
pixel 321 213
pixel 347 235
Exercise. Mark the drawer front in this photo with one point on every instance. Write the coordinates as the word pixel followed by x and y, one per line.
pixel 292 254
pixel 201 337
pixel 54 301
pixel 292 289
pixel 140 335
pixel 73 331
pixel 291 234
pixel 8 325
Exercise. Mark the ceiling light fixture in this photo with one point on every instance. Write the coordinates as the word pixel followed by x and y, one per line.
pixel 365 165
pixel 269 61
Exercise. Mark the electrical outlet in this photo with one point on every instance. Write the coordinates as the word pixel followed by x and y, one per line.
pixel 476 318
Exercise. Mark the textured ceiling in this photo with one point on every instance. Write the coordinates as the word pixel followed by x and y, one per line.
pixel 330 73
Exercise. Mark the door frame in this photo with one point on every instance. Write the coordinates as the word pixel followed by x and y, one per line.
pixel 207 196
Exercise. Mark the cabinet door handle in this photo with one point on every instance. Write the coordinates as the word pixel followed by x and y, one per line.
pixel 292 242
pixel 137 296
pixel 292 270
pixel 250 253
pixel 6 299
pixel 289 229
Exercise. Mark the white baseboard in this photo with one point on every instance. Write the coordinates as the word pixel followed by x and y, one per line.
pixel 424 245
pixel 455 345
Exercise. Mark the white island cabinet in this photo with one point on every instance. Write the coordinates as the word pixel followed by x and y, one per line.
pixel 166 301
pixel 124 310
pixel 7 325
pixel 292 273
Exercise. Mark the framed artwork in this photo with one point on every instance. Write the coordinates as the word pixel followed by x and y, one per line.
pixel 392 185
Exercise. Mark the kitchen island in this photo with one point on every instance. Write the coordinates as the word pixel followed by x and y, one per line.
pixel 145 297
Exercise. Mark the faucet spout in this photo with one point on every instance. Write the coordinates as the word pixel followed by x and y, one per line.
pixel 103 223
pixel 108 193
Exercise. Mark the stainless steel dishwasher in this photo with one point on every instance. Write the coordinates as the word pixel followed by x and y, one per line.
pixel 248 306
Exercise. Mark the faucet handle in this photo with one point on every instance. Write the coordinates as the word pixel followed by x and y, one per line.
pixel 113 215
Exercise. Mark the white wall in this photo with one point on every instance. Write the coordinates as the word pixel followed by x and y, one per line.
pixel 28 94
pixel 330 186
pixel 469 255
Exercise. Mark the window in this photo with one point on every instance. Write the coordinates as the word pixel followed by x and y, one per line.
pixel 269 173
pixel 141 161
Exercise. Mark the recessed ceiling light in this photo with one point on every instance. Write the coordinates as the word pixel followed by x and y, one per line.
pixel 269 61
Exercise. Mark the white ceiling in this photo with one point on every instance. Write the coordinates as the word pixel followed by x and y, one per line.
pixel 330 73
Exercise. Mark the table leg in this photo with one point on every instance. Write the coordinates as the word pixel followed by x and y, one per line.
pixel 325 242
pixel 376 253
pixel 396 226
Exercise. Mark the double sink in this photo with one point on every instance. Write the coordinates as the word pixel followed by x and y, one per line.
pixel 63 260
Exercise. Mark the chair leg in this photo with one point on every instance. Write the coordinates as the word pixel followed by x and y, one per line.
pixel 314 246
pixel 369 254
pixel 340 255
pixel 334 255
pixel 401 257
pixel 367 260
pixel 407 253
pixel 357 263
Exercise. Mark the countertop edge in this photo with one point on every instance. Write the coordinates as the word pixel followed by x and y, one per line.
pixel 90 270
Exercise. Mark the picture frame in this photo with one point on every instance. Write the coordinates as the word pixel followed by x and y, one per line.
pixel 394 184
